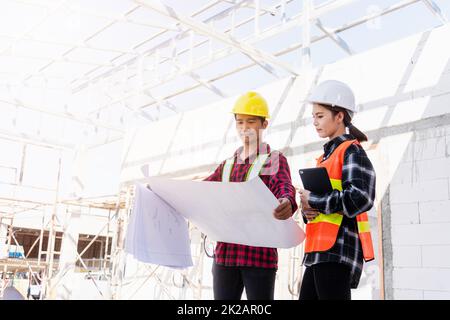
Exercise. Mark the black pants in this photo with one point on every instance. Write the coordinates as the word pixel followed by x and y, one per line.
pixel 229 282
pixel 326 281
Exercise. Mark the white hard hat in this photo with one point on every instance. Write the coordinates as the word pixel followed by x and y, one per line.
pixel 336 94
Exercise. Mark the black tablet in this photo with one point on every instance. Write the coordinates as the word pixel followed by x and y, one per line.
pixel 316 180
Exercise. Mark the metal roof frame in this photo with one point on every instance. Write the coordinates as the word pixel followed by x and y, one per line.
pixel 185 27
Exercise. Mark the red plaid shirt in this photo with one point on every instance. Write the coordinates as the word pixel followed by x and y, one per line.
pixel 277 177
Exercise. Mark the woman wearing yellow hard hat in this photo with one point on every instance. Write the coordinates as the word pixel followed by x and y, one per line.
pixel 238 266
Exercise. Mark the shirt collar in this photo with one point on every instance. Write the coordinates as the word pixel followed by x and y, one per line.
pixel 331 145
pixel 264 148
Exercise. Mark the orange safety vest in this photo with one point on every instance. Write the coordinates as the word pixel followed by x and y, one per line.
pixel 321 233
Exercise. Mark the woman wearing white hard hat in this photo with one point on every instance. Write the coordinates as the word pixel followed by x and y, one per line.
pixel 338 238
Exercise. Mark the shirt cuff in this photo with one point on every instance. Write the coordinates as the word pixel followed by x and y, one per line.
pixel 304 218
pixel 315 201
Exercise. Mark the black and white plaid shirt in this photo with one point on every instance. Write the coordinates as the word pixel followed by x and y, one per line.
pixel 357 196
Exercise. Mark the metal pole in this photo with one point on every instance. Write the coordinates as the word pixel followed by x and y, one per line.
pixel 105 256
pixel 117 261
pixel 51 237
pixel 306 34
pixel 5 266
pixel 41 238
pixel 380 250
pixel 257 13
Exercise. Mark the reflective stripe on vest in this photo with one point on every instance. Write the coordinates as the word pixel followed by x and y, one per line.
pixel 365 236
pixel 252 172
pixel 321 233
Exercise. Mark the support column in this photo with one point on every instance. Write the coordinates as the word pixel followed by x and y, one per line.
pixel 68 255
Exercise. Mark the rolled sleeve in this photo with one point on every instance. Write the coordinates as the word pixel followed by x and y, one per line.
pixel 280 182
pixel 216 175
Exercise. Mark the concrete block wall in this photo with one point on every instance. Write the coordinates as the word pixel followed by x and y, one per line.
pixel 420 217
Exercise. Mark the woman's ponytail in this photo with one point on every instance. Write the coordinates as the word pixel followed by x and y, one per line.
pixel 354 131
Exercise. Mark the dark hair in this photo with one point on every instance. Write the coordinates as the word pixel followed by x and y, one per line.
pixel 260 118
pixel 354 131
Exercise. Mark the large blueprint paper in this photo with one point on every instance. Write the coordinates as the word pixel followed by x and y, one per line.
pixel 156 233
pixel 230 212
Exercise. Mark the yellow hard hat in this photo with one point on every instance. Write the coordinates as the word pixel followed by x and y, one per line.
pixel 252 104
